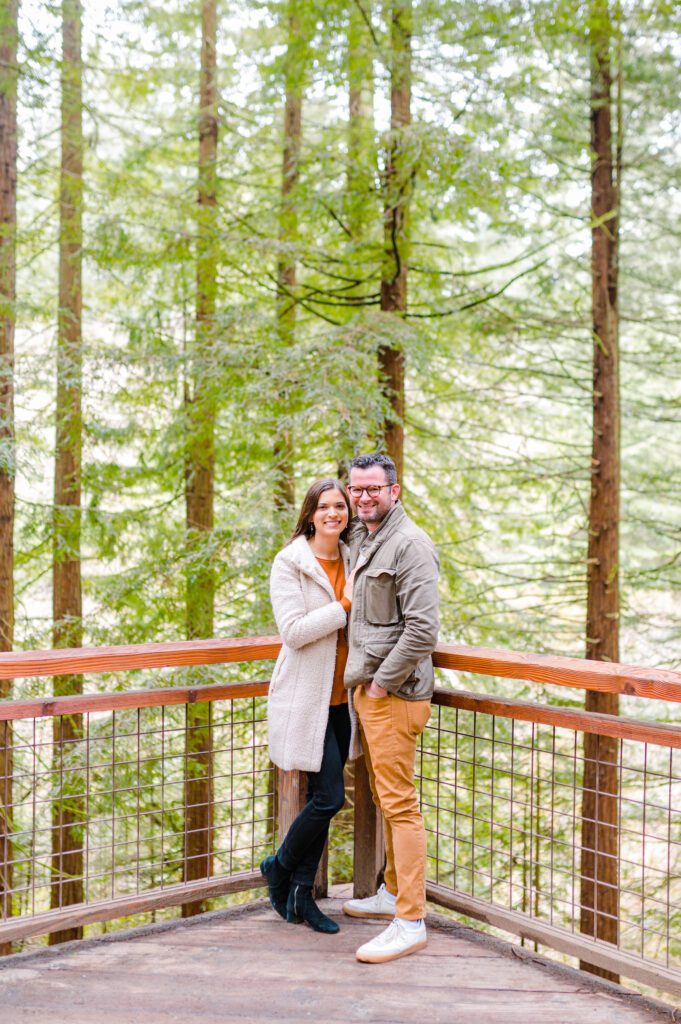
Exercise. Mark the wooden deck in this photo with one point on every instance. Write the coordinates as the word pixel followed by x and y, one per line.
pixel 249 966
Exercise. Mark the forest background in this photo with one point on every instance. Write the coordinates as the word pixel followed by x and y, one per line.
pixel 496 333
pixel 241 243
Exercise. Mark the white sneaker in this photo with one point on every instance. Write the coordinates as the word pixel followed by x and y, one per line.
pixel 394 942
pixel 377 905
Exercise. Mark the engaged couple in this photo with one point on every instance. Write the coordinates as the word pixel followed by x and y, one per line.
pixel 354 594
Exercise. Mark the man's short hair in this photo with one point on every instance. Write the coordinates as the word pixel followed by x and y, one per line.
pixel 376 459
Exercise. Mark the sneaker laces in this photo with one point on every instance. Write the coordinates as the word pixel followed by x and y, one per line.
pixel 383 894
pixel 389 934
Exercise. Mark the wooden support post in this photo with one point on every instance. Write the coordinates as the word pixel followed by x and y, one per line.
pixel 291 798
pixel 369 841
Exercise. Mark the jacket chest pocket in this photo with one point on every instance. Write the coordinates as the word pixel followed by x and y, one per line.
pixel 380 605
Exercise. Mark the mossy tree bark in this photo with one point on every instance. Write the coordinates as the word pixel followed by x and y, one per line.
pixel 68 810
pixel 294 73
pixel 200 410
pixel 8 219
pixel 600 825
pixel 399 176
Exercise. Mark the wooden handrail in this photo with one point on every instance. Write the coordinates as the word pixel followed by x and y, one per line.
pixel 633 680
pixel 81 660
pixel 14 929
pixel 82 703
pixel 488 704
pixel 561 718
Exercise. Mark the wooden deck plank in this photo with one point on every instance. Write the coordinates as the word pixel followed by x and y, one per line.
pixel 275 969
pixel 243 967
pixel 298 1003
pixel 337 1002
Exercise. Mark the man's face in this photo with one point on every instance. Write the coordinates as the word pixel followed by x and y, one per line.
pixel 372 510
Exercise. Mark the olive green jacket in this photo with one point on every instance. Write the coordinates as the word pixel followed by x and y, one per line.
pixel 394 620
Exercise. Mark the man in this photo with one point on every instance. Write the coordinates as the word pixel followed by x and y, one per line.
pixel 392 633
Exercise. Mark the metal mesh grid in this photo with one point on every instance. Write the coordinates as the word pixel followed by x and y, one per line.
pixel 502 805
pixel 116 783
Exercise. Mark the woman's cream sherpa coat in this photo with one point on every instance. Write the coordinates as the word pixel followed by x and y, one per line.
pixel 308 619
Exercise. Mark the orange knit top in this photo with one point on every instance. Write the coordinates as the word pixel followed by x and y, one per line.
pixel 335 570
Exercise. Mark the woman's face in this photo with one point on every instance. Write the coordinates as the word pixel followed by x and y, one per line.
pixel 331 515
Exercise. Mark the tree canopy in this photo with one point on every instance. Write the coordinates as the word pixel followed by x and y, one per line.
pixel 492 171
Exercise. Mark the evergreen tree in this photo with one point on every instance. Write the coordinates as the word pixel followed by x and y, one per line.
pixel 599 898
pixel 8 217
pixel 67 826
pixel 200 406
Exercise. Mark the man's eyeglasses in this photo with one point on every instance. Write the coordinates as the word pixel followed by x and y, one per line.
pixel 373 490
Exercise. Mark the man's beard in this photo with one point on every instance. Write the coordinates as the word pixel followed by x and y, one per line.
pixel 376 515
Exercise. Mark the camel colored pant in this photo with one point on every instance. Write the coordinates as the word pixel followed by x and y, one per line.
pixel 390 728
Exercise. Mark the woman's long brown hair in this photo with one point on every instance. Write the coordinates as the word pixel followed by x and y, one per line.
pixel 310 502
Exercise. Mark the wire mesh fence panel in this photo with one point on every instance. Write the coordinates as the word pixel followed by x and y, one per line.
pixel 106 805
pixel 125 801
pixel 502 804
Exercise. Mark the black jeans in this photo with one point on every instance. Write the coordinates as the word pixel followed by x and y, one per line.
pixel 303 846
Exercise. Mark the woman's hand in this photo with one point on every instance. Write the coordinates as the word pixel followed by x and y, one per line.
pixel 374 691
pixel 347 591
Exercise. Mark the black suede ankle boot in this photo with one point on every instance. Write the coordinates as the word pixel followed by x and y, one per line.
pixel 278 882
pixel 301 907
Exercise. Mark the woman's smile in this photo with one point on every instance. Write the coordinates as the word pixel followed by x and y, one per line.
pixel 331 514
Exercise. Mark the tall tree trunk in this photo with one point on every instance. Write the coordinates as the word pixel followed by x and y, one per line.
pixel 359 218
pixel 600 825
pixel 398 184
pixel 358 207
pixel 200 401
pixel 67 823
pixel 288 233
pixel 8 220
pixel 360 123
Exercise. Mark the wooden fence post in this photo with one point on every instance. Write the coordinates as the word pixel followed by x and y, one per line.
pixel 369 841
pixel 291 798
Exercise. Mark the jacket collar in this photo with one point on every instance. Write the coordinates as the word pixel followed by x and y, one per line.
pixel 300 554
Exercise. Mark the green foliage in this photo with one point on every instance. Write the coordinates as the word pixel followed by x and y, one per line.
pixel 497 338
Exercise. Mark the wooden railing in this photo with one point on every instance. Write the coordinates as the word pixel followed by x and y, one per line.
pixel 30 880
pixel 499 779
pixel 512 858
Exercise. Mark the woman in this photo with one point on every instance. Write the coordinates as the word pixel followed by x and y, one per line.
pixel 308 719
